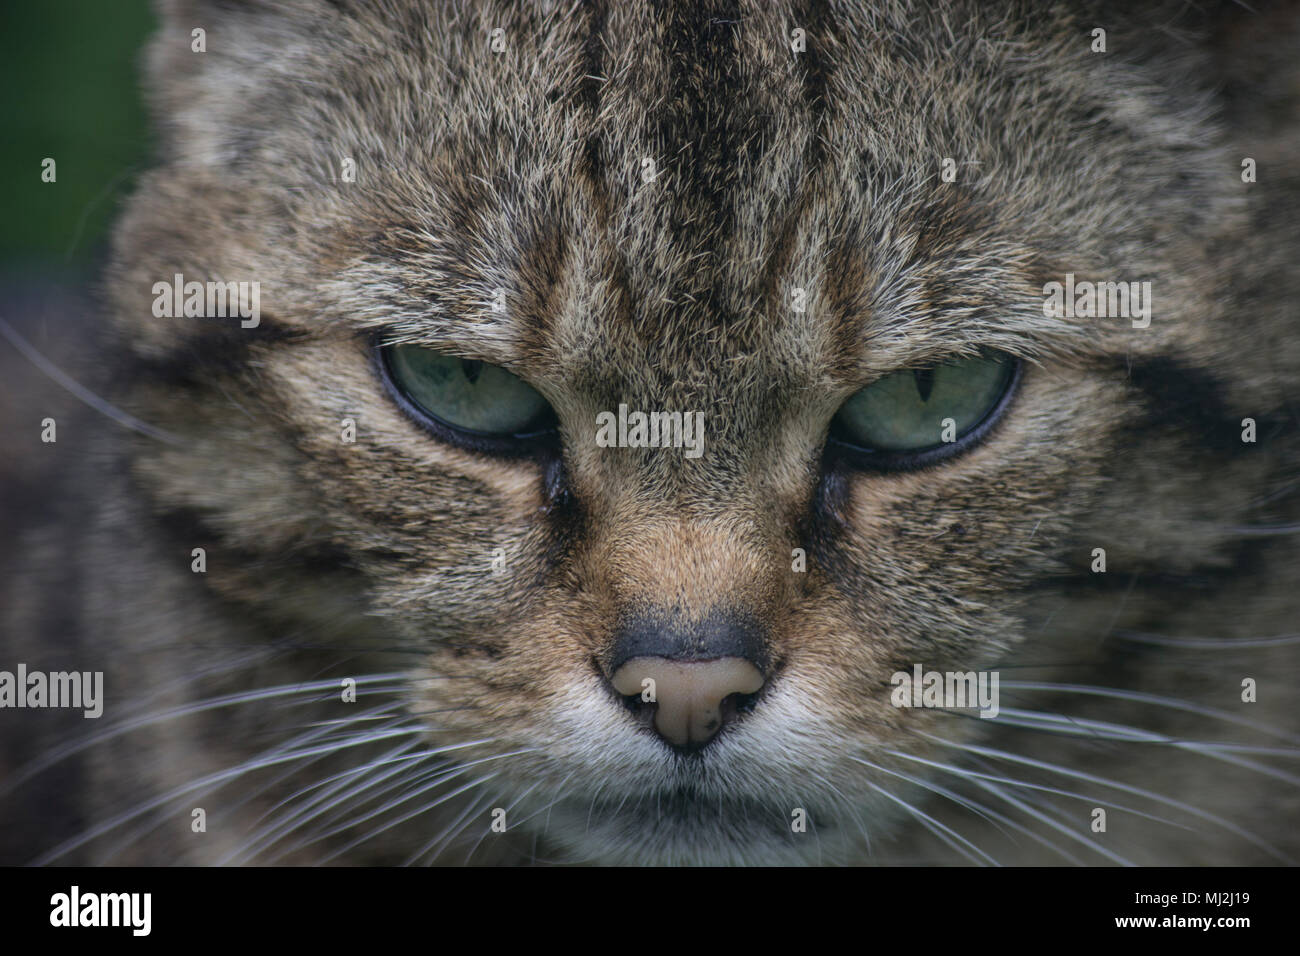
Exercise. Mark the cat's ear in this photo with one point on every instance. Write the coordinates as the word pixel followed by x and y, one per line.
pixel 208 56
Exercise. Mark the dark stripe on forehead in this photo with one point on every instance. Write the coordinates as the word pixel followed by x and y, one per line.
pixel 702 50
pixel 815 70
pixel 595 157
pixel 701 130
pixel 591 84
pixel 594 15
pixel 818 23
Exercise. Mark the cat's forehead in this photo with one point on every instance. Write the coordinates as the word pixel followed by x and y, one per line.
pixel 676 182
pixel 729 191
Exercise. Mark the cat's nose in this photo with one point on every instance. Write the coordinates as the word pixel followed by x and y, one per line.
pixel 691 698
pixel 693 677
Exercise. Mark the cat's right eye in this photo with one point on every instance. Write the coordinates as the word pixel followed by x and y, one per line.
pixel 467 400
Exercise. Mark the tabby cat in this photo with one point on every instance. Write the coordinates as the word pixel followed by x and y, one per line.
pixel 420 561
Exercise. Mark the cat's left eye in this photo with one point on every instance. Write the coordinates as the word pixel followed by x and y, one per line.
pixel 464 400
pixel 917 416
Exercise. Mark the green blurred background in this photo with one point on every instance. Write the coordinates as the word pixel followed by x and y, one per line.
pixel 71 72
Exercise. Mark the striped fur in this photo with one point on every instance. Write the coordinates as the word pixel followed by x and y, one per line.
pixel 522 170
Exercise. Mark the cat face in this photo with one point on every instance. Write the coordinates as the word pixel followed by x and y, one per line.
pixel 675 212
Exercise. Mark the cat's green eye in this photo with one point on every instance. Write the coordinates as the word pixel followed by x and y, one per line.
pixel 466 395
pixel 919 415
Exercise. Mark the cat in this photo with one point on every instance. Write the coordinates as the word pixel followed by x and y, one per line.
pixel 365 587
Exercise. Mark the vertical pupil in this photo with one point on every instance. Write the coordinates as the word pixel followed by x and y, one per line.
pixel 471 369
pixel 924 378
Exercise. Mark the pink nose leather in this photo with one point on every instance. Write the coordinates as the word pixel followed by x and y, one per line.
pixel 689 694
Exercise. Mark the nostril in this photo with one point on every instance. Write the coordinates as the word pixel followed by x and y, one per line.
pixel 636 705
pixel 738 704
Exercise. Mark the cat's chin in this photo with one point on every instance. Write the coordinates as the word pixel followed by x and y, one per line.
pixel 676 828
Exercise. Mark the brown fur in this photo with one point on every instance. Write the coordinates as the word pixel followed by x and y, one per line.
pixel 521 170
